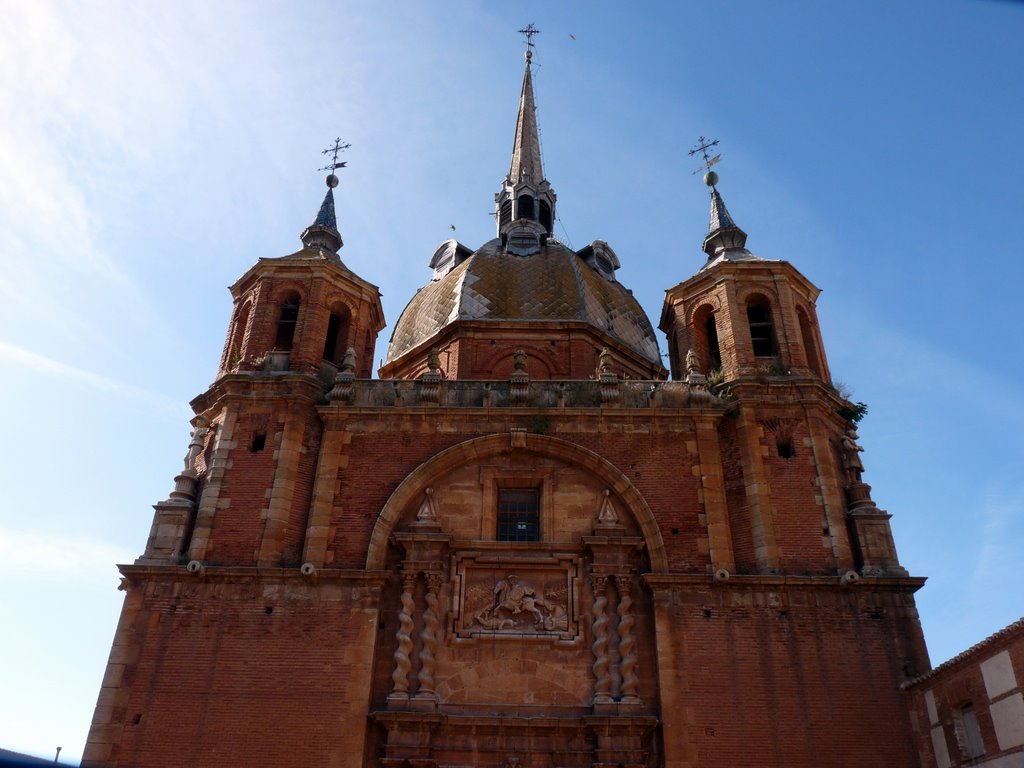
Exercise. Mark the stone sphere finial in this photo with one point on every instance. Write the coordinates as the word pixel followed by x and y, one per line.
pixel 332 180
pixel 711 178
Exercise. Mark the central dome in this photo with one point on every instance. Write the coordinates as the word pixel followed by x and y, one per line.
pixel 553 284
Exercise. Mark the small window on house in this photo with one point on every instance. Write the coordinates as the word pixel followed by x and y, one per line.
pixel 525 208
pixel 970 743
pixel 286 324
pixel 259 442
pixel 518 514
pixel 785 447
pixel 762 336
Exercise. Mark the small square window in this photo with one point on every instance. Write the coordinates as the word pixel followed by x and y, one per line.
pixel 519 514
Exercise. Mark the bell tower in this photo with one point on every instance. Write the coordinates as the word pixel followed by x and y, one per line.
pixel 749 325
pixel 300 324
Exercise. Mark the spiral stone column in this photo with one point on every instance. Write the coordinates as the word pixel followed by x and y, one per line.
pixel 400 677
pixel 428 638
pixel 602 680
pixel 627 640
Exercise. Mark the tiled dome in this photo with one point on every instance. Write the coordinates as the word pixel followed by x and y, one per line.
pixel 555 283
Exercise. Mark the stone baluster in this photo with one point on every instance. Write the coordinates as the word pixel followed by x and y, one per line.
pixel 428 637
pixel 602 680
pixel 403 664
pixel 627 640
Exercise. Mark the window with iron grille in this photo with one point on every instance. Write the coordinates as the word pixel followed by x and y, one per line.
pixel 519 514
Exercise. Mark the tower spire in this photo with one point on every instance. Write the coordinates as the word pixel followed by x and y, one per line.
pixel 526 203
pixel 323 232
pixel 526 159
pixel 723 234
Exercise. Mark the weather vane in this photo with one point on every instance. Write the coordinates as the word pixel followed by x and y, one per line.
pixel 529 32
pixel 702 146
pixel 333 152
pixel 332 180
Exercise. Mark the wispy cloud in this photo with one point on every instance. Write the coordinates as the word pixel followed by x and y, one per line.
pixel 46 553
pixel 25 358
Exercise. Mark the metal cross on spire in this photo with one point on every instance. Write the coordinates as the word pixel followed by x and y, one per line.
pixel 702 146
pixel 529 32
pixel 333 152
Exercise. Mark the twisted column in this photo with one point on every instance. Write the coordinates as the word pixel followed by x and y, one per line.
pixel 428 637
pixel 627 640
pixel 602 680
pixel 400 676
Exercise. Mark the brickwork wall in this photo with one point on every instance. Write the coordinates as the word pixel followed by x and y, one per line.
pixel 224 673
pixel 785 676
pixel 663 465
pixel 554 351
pixel 305 477
pixel 234 537
pixel 801 530
pixel 740 523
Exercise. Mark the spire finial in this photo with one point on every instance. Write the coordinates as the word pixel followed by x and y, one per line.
pixel 332 180
pixel 703 145
pixel 723 234
pixel 528 32
pixel 323 232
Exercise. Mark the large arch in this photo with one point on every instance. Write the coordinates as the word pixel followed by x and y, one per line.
pixel 410 489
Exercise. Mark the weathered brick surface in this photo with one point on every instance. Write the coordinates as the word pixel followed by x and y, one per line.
pixel 223 672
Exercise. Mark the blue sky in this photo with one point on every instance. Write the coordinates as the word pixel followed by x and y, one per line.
pixel 150 153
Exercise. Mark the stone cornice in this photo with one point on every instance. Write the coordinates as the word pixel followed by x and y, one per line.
pixel 673 581
pixel 242 574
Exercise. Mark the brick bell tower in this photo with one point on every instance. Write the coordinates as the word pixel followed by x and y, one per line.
pixel 750 323
pixel 300 323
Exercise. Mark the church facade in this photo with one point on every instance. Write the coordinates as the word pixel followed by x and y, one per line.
pixel 525 543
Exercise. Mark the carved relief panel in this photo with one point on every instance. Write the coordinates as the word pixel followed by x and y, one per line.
pixel 500 596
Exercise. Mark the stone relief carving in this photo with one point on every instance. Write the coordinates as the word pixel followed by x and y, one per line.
pixel 536 599
pixel 516 604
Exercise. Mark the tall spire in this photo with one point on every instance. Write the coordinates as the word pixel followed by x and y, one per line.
pixel 525 205
pixel 526 163
pixel 323 232
pixel 723 234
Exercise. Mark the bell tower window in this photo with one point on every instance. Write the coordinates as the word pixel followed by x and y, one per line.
pixel 336 341
pixel 518 514
pixel 545 216
pixel 505 214
pixel 762 332
pixel 810 343
pixel 525 208
pixel 286 321
pixel 706 338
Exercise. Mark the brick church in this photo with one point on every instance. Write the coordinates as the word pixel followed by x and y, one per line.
pixel 525 543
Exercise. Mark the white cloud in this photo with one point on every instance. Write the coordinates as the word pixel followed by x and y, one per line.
pixel 40 553
pixel 25 358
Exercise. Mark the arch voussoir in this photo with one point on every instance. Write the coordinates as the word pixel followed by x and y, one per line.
pixel 481 448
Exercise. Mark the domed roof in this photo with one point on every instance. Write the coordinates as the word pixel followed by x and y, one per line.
pixel 552 284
